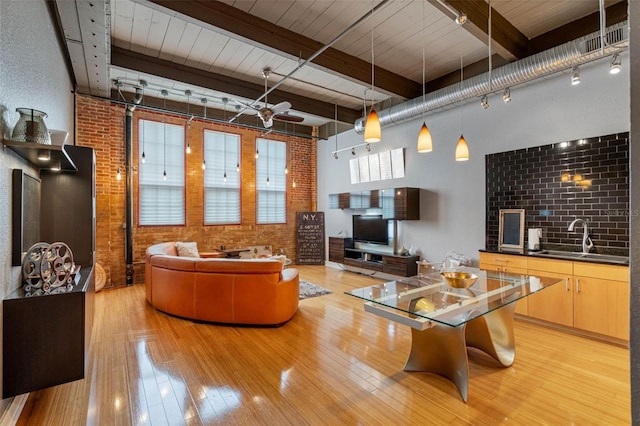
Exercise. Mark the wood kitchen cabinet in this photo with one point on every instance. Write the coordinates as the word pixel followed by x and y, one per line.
pixel 506 263
pixel 553 304
pixel 601 299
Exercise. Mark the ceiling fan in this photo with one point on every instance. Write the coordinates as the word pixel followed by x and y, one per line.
pixel 277 112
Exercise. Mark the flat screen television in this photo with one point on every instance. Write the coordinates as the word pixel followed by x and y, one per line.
pixel 370 229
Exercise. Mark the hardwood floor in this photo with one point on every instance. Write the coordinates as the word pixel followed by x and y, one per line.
pixel 332 363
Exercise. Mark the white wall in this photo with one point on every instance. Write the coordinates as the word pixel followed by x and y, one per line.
pixel 453 198
pixel 32 75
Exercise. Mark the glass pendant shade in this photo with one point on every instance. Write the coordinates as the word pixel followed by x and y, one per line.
pixel 372 132
pixel 425 144
pixel 462 150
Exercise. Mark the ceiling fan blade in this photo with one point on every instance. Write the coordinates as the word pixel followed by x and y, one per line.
pixel 289 117
pixel 281 107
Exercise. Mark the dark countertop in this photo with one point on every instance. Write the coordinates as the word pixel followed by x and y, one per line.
pixel 572 255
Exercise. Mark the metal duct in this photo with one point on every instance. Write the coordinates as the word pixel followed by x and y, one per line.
pixel 577 52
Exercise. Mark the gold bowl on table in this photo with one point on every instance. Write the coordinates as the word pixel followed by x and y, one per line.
pixel 457 279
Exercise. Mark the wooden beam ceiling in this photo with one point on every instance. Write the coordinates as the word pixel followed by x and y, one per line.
pixel 581 27
pixel 507 40
pixel 258 30
pixel 149 65
pixel 615 14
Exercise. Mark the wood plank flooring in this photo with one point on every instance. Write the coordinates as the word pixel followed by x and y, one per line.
pixel 331 364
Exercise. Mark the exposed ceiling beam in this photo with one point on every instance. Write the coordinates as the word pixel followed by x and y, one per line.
pixel 149 65
pixel 236 22
pixel 573 30
pixel 507 40
pixel 580 27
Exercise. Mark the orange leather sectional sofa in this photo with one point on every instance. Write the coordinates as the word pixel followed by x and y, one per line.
pixel 231 291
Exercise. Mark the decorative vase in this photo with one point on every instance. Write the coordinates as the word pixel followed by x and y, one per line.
pixel 31 127
pixel 412 250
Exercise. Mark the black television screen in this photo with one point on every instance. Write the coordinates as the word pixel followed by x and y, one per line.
pixel 370 229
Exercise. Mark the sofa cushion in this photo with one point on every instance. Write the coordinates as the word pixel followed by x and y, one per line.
pixel 187 249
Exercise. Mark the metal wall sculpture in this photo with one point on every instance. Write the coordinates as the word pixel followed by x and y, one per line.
pixel 48 268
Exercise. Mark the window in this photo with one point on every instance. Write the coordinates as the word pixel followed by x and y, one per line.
pixel 221 178
pixel 161 198
pixel 271 182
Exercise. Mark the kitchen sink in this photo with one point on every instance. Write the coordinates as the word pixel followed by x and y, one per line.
pixel 594 257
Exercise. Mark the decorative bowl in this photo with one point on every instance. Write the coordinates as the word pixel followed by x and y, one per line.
pixel 457 279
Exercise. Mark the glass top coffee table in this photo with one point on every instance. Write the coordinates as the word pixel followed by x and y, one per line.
pixel 445 320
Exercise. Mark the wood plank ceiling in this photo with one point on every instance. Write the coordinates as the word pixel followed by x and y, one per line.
pixel 218 49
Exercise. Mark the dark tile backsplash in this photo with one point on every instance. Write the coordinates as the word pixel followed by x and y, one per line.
pixel 587 178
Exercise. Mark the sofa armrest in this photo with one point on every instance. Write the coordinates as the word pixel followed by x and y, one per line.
pixel 289 274
pixel 212 255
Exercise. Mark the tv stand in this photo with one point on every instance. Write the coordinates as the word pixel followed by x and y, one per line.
pixel 343 251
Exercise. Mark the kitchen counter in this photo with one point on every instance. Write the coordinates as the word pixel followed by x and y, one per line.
pixel 608 259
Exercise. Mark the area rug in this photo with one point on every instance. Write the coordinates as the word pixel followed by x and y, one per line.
pixel 308 290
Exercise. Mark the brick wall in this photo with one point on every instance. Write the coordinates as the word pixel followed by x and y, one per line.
pixel 100 125
pixel 587 178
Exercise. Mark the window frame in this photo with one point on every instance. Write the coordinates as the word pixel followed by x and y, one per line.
pixel 271 175
pixel 233 170
pixel 140 183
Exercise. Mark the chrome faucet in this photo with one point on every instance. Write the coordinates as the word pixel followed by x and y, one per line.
pixel 587 244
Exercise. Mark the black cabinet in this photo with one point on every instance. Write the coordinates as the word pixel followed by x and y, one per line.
pixel 395 203
pixel 341 250
pixel 45 339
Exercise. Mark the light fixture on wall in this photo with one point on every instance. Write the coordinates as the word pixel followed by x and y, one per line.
pixel 616 64
pixel 188 95
pixel 506 96
pixel 575 75
pixel 372 131
pixel 164 135
pixel 44 155
pixel 425 143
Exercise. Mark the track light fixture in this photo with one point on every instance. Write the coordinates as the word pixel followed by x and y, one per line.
pixel 506 96
pixel 616 64
pixel 335 155
pixel 368 147
pixel 575 76
pixel 461 19
pixel 484 102
pixel 353 151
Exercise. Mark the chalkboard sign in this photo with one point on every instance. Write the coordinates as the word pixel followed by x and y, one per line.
pixel 511 235
pixel 310 238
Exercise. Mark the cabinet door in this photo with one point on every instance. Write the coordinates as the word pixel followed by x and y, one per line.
pixel 601 306
pixel 553 304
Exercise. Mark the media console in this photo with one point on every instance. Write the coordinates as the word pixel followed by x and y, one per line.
pixel 343 251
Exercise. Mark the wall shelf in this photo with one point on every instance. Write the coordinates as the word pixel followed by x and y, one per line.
pixel 29 151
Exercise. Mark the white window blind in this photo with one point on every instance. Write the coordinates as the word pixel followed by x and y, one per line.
pixel 161 202
pixel 221 198
pixel 271 182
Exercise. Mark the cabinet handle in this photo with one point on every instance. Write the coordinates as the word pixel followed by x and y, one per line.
pixel 502 260
pixel 577 285
pixel 566 284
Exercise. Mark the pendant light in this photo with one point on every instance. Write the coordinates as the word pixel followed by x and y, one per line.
pixel 462 148
pixel 267 163
pixel 286 144
pixel 293 179
pixel 425 143
pixel 143 84
pixel 164 135
pixel 204 106
pixel 372 131
pixel 188 93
